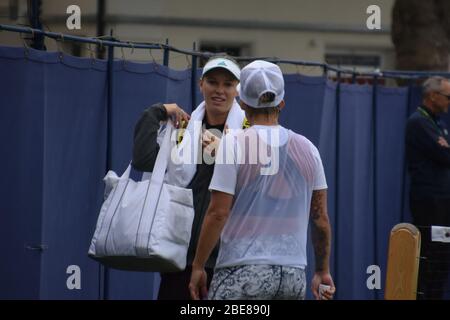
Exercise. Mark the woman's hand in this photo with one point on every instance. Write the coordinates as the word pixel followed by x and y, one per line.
pixel 177 114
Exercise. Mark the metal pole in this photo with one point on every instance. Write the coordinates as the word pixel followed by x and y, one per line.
pixel 336 175
pixel 100 26
pixel 408 103
pixel 34 16
pixel 194 80
pixel 375 171
pixel 61 36
pixel 166 54
pixel 325 70
pixel 110 86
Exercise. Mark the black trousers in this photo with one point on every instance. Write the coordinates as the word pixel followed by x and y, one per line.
pixel 434 268
pixel 175 285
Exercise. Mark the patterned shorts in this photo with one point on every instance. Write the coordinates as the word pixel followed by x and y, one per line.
pixel 258 282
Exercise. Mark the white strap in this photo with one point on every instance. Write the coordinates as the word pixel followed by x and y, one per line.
pixel 162 159
pixel 124 175
pixel 154 189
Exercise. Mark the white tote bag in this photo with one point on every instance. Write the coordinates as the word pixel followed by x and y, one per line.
pixel 144 225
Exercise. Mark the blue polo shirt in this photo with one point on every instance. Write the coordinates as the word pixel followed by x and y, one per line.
pixel 428 162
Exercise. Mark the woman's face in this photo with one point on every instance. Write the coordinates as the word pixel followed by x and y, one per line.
pixel 219 90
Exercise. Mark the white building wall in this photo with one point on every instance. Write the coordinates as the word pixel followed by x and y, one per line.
pixel 301 29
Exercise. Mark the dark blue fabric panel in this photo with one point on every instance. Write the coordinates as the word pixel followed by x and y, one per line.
pixel 179 88
pixel 446 117
pixel 391 121
pixel 135 87
pixel 415 98
pixel 74 165
pixel 304 105
pixel 310 111
pixel 199 95
pixel 21 186
pixel 327 149
pixel 355 232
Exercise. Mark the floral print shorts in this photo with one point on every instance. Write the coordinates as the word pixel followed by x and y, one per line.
pixel 258 282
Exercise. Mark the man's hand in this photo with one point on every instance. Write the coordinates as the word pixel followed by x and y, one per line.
pixel 443 143
pixel 197 285
pixel 210 143
pixel 177 114
pixel 323 278
pixel 321 239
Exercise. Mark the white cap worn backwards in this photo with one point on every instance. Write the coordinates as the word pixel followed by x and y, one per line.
pixel 258 78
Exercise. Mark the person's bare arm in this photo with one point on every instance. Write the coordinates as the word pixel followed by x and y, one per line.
pixel 321 239
pixel 215 219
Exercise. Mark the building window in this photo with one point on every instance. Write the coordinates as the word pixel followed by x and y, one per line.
pixel 357 62
pixel 229 49
pixel 75 48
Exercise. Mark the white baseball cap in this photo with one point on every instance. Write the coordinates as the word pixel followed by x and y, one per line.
pixel 258 78
pixel 223 63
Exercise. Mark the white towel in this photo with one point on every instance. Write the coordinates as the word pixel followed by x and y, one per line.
pixel 185 157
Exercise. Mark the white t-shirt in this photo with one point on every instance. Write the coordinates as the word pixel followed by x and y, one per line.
pixel 271 171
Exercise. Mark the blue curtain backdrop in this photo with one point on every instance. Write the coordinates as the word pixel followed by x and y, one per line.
pixel 53 133
pixel 135 87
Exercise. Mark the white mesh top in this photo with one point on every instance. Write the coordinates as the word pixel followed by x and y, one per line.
pixel 271 171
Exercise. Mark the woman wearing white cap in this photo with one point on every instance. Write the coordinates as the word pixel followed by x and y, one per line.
pixel 218 84
pixel 267 182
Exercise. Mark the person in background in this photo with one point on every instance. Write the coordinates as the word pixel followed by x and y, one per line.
pixel 428 158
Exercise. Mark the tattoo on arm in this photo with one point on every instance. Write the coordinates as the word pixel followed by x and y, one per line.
pixel 320 230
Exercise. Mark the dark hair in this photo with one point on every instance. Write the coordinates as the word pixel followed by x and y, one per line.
pixel 266 97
